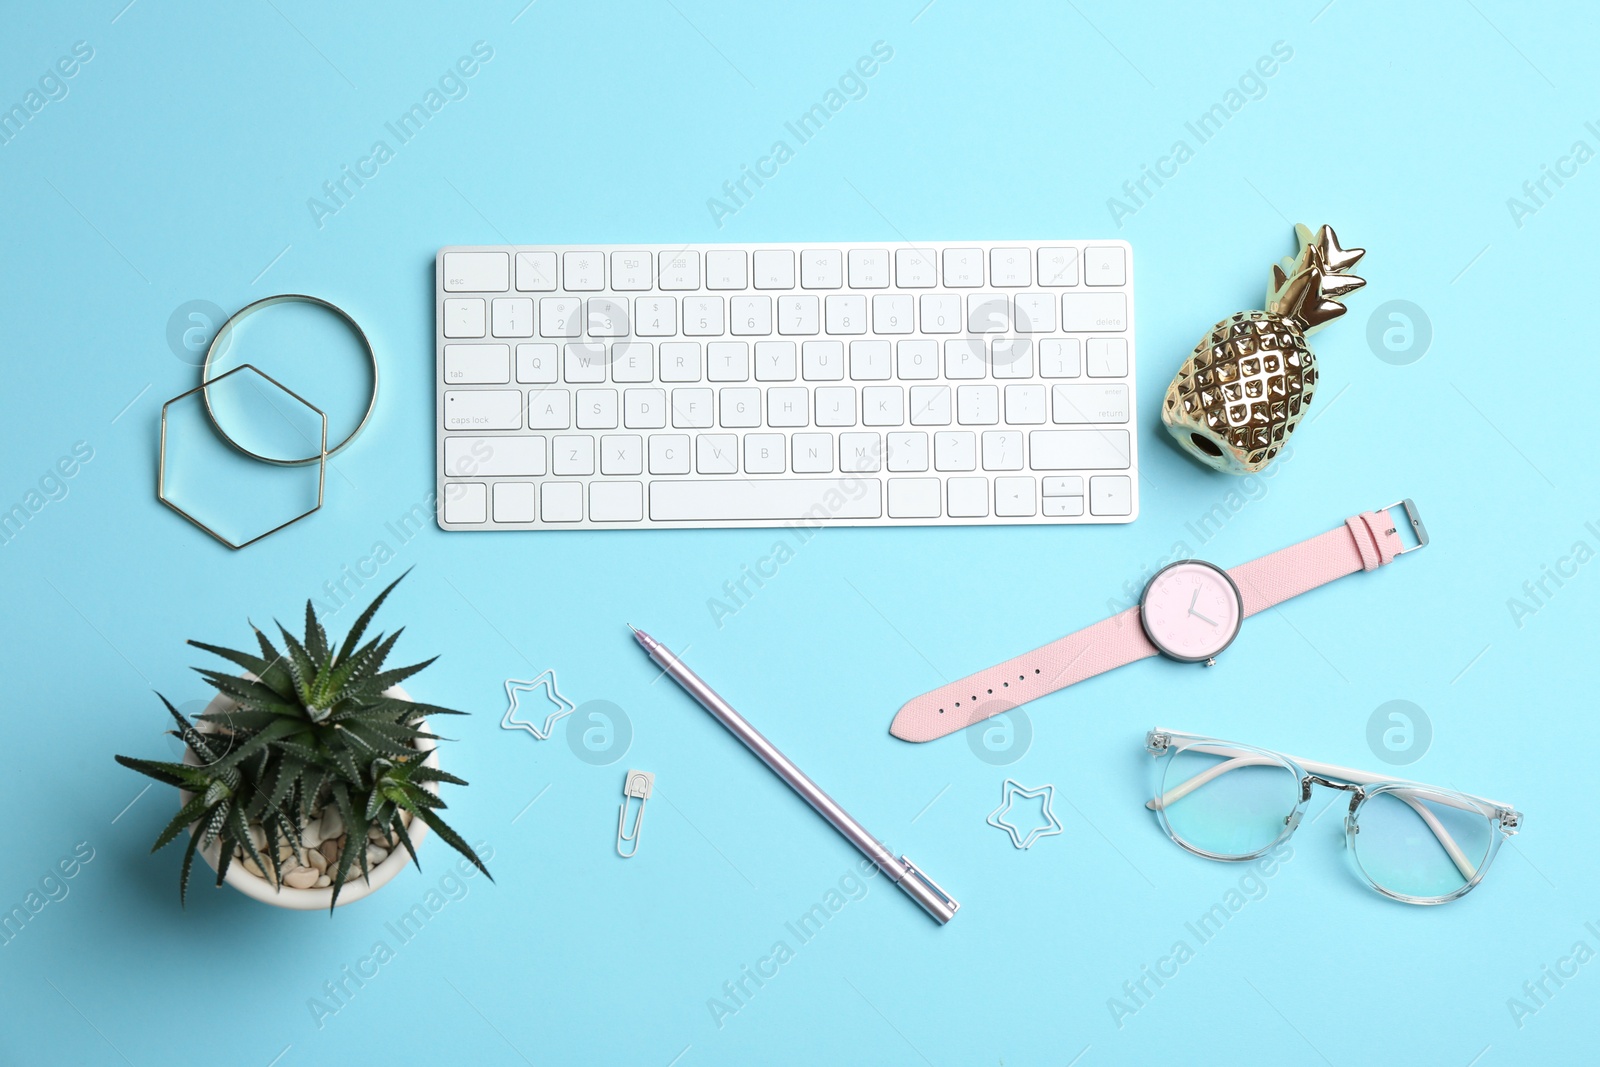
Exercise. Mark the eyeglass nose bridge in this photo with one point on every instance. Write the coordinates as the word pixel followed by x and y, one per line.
pixel 1316 779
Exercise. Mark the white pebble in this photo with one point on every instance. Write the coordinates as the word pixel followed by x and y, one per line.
pixel 258 836
pixel 311 836
pixel 301 878
pixel 323 882
pixel 318 860
pixel 332 823
pixel 250 865
pixel 376 855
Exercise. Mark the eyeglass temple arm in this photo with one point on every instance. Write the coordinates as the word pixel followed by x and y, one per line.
pixel 1325 770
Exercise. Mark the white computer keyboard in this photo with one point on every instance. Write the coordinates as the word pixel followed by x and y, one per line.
pixel 943 383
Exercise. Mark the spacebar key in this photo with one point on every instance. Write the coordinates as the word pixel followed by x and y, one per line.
pixel 790 498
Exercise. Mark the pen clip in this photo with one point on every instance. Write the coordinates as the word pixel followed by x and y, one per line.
pixel 915 871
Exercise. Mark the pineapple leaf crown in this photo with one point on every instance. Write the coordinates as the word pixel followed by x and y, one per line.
pixel 304 729
pixel 1307 286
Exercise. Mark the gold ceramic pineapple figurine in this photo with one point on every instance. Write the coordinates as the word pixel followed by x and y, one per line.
pixel 1247 384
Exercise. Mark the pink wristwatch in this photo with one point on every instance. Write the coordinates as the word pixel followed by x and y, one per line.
pixel 1190 611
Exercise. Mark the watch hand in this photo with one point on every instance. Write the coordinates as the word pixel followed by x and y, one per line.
pixel 1193 599
pixel 1201 617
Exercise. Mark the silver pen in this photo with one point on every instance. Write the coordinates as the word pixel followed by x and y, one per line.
pixel 901 871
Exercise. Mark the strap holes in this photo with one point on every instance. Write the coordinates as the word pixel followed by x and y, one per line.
pixel 989 691
pixel 1036 670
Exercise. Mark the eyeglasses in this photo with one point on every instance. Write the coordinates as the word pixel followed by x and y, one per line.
pixel 1416 843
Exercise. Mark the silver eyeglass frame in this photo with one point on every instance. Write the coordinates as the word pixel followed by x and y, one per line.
pixel 1363 786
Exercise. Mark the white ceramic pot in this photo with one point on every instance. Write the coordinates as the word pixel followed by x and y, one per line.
pixel 318 899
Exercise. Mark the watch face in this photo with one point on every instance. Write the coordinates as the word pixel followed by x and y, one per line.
pixel 1191 610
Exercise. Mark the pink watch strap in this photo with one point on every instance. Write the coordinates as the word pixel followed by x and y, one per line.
pixel 1365 542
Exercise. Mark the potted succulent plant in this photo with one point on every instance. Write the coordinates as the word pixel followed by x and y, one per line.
pixel 306 776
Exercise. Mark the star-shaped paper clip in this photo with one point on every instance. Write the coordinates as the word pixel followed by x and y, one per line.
pixel 546 682
pixel 1008 796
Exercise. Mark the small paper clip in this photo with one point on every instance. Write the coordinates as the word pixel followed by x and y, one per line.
pixel 637 785
pixel 545 683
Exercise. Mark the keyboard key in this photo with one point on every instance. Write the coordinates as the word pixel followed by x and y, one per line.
pixel 821 269
pixel 774 269
pixel 930 405
pixel 1094 312
pixel 483 409
pixel 463 317
pixel 669 453
pixel 493 457
pixel 1066 450
pixel 476 272
pixel 1090 403
pixel 692 408
pixel 798 315
pixel 644 409
pixel 908 451
pixel 1035 313
pixel 1064 485
pixel 763 453
pixel 680 361
pixel 477 364
pixel 728 361
pixel 978 405
pixel 1025 405
pixel 964 358
pixel 869 361
pixel 813 453
pixel 1061 506
pixel 941 313
pixel 846 314
pixel 1014 497
pixel 466 502
pixel 916 268
pixel 1108 357
pixel 616 501
pixel 955 450
pixel 1010 266
pixel 775 361
pixel 1104 265
pixel 512 317
pixel 1058 266
pixel 788 406
pixel 836 405
pixel 550 409
pixel 914 498
pixel 766 500
pixel 892 314
pixel 716 453
pixel 988 313
pixel 1002 450
pixel 917 360
pixel 725 269
pixel 608 317
pixel 537 363
pixel 883 405
pixel 860 453
pixel 751 315
pixel 515 501
pixel 583 272
pixel 1060 357
pixel 630 271
pixel 597 409
pixel 561 501
pixel 584 363
pixel 967 498
pixel 678 270
pixel 963 268
pixel 869 268
pixel 621 453
pixel 633 361
pixel 536 272
pixel 655 316
pixel 572 453
pixel 702 316
pixel 1111 495
pixel 822 361
pixel 559 316
pixel 1011 357
pixel 741 408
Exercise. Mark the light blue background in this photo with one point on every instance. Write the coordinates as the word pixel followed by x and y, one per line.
pixel 178 168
